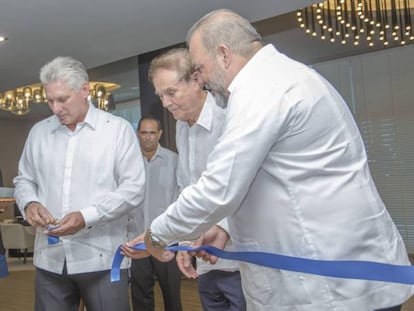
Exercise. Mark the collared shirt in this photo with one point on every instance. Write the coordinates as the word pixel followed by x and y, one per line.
pixel 161 184
pixel 194 144
pixel 291 171
pixel 161 190
pixel 95 169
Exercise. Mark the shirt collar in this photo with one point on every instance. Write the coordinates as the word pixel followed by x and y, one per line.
pixel 246 71
pixel 205 119
pixel 91 118
pixel 158 153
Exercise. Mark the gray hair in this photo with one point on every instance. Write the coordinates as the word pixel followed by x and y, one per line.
pixel 226 27
pixel 65 69
pixel 177 59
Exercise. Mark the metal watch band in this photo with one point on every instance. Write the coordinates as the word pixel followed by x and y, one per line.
pixel 155 242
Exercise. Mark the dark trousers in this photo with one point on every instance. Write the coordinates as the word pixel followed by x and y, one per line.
pixel 63 292
pixel 221 290
pixel 142 283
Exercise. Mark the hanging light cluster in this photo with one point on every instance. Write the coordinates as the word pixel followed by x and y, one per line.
pixel 373 21
pixel 100 94
pixel 18 101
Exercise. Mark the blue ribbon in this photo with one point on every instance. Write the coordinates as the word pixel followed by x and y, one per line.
pixel 348 269
pixel 4 271
pixel 52 239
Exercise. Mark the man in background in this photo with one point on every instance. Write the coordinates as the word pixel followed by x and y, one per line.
pixel 79 176
pixel 161 190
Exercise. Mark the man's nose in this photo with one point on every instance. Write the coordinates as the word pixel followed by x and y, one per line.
pixel 56 108
pixel 166 101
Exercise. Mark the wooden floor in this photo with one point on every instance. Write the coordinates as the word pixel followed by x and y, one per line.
pixel 17 293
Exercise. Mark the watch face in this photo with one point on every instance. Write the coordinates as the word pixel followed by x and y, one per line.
pixel 155 242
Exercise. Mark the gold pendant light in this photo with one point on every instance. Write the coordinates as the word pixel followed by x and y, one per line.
pixel 375 22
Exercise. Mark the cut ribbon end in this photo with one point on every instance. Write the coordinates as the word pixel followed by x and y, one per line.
pixel 4 271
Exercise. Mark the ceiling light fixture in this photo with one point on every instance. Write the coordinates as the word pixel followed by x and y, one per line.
pixel 18 101
pixel 372 21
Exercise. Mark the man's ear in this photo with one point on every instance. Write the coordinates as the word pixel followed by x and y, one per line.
pixel 195 77
pixel 85 89
pixel 224 56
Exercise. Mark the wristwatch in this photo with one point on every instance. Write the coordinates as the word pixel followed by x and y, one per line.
pixel 155 242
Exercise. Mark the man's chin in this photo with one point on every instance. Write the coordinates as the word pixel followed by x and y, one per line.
pixel 177 116
pixel 63 120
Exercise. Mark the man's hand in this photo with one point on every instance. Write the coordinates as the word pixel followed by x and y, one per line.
pixel 38 215
pixel 215 236
pixel 128 251
pixel 159 253
pixel 184 262
pixel 68 225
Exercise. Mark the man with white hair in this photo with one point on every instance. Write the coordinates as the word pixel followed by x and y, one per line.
pixel 80 174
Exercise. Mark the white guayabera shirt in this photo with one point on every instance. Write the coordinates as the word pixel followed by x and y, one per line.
pixel 98 170
pixel 290 171
pixel 194 145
